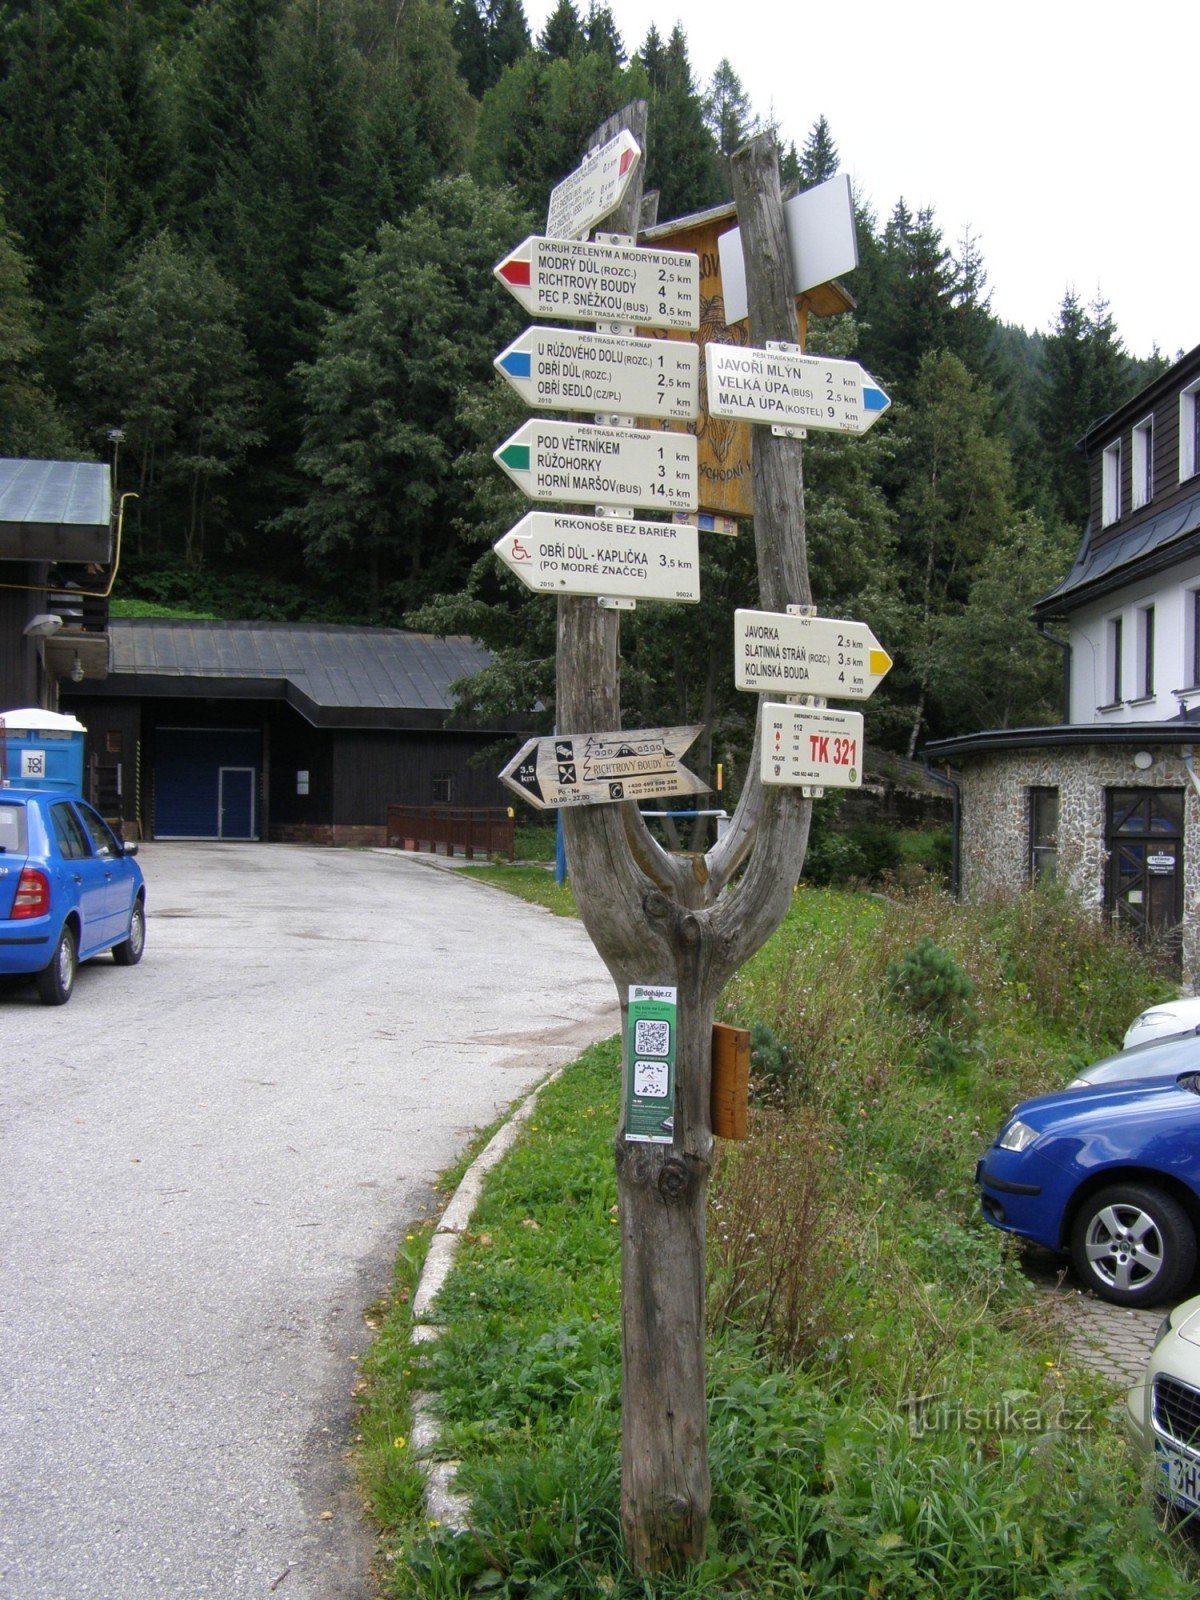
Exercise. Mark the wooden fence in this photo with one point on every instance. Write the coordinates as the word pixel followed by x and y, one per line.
pixel 468 828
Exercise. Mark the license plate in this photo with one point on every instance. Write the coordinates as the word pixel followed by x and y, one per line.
pixel 1178 1476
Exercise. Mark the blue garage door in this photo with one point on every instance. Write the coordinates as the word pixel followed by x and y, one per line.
pixel 206 783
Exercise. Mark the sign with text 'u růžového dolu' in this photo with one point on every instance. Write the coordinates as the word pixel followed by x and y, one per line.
pixel 597 187
pixel 570 369
pixel 553 552
pixel 650 1064
pixel 595 769
pixel 589 282
pixel 746 384
pixel 809 745
pixel 591 465
pixel 777 653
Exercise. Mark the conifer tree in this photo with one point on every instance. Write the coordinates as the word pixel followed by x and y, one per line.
pixel 682 161
pixel 819 159
pixel 562 37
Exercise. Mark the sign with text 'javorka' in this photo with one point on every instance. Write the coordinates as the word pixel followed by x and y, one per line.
pixel 777 653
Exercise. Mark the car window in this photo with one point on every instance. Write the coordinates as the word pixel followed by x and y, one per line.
pixel 72 841
pixel 12 829
pixel 104 840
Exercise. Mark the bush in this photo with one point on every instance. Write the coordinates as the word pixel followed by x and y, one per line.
pixel 931 983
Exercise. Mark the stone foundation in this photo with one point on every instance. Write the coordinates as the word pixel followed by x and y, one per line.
pixel 344 834
pixel 995 842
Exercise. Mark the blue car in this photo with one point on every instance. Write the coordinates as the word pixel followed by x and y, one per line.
pixel 1110 1174
pixel 69 889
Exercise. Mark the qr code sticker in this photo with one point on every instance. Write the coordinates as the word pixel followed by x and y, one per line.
pixel 650 1079
pixel 651 1038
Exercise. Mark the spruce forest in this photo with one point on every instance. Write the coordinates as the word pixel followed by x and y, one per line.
pixel 257 237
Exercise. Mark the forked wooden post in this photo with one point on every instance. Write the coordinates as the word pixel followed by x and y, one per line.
pixel 656 918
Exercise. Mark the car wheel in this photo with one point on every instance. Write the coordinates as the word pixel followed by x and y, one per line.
pixel 56 980
pixel 129 953
pixel 1133 1245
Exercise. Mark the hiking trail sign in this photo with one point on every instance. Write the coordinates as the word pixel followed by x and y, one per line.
pixel 778 653
pixel 590 465
pixel 587 195
pixel 590 282
pixel 555 552
pixel 791 390
pixel 571 369
pixel 811 746
pixel 592 769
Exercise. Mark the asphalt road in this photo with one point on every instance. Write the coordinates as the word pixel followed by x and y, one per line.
pixel 207 1164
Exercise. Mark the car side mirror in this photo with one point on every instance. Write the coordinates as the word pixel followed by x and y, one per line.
pixel 129 849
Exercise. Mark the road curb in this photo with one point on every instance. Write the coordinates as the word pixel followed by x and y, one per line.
pixel 442 1502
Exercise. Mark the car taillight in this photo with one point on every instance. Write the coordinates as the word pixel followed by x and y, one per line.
pixel 32 898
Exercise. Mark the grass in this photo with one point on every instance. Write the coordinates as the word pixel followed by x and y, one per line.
pixel 892 1411
pixel 532 883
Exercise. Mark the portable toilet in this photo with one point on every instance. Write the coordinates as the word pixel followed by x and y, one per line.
pixel 41 750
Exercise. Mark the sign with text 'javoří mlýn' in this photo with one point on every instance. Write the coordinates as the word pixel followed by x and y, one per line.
pixel 811 745
pixel 590 282
pixel 571 369
pixel 746 384
pixel 591 465
pixel 553 552
pixel 777 653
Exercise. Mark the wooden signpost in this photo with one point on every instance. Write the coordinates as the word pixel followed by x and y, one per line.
pixel 665 924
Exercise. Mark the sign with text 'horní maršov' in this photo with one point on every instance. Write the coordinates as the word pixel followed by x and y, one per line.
pixel 746 384
pixel 810 745
pixel 587 195
pixel 570 369
pixel 777 653
pixel 588 282
pixel 553 552
pixel 584 463
pixel 594 769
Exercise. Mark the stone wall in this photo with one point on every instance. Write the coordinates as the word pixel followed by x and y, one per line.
pixel 328 833
pixel 995 822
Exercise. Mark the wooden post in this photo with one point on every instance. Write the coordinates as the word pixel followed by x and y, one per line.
pixel 667 920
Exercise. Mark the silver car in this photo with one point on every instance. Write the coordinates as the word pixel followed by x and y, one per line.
pixel 1162 1058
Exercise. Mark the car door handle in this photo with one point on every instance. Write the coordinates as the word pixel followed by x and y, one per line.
pixel 78 877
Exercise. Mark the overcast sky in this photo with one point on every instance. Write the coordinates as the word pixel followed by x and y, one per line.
pixel 1064 135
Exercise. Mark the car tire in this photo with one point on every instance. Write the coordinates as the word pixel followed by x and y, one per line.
pixel 129 952
pixel 56 980
pixel 1133 1245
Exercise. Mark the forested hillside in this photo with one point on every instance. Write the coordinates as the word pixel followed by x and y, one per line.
pixel 257 237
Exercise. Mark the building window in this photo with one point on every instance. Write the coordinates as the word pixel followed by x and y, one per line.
pixel 1043 835
pixel 1142 485
pixel 1110 484
pixel 443 790
pixel 1116 645
pixel 1189 431
pixel 1194 641
pixel 1145 643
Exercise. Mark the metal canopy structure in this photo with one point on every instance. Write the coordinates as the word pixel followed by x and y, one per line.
pixel 55 511
pixel 1155 542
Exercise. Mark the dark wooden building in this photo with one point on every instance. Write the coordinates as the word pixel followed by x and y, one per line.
pixel 281 731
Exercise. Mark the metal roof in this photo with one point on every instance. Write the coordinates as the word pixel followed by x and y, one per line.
pixel 1099 568
pixel 333 675
pixel 1184 729
pixel 55 494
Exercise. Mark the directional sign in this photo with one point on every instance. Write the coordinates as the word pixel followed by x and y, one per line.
pixel 804 745
pixel 579 462
pixel 566 369
pixel 588 194
pixel 566 278
pixel 778 654
pixel 593 769
pixel 751 385
pixel 553 552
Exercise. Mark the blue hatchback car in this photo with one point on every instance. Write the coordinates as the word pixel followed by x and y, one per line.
pixel 69 889
pixel 1110 1174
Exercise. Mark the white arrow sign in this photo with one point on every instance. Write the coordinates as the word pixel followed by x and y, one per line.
pixel 553 552
pixel 566 278
pixel 587 195
pixel 791 390
pixel 805 745
pixel 775 653
pixel 580 462
pixel 591 769
pixel 567 369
